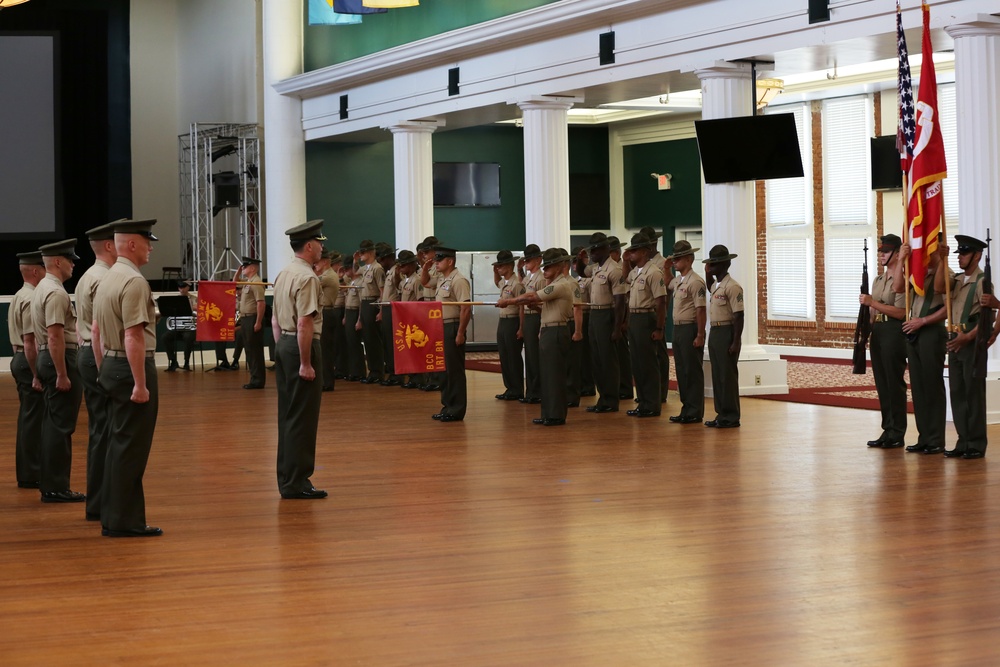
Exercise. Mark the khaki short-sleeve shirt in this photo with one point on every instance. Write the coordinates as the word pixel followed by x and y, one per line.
pixel 124 300
pixel 647 286
pixel 511 288
pixel 329 283
pixel 557 299
pixel 352 298
pixel 297 294
pixel 410 288
pixel 19 315
pixel 689 295
pixel 727 298
pixel 51 305
pixel 606 283
pixel 431 288
pixel 390 289
pixel 882 291
pixel 86 288
pixel 960 286
pixel 250 294
pixel 451 288
pixel 372 280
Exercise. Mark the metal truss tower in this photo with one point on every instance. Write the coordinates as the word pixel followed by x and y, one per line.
pixel 221 211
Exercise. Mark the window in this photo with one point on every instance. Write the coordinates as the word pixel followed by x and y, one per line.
pixel 949 133
pixel 848 202
pixel 788 206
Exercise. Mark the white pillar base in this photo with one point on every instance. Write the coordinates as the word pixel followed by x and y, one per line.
pixel 757 376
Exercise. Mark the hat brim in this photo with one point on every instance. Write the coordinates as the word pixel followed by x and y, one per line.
pixel 556 260
pixel 512 260
pixel 404 262
pixel 716 260
pixel 678 255
pixel 638 246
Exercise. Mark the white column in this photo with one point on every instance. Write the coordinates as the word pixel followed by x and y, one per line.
pixel 977 93
pixel 729 218
pixel 284 144
pixel 413 174
pixel 546 172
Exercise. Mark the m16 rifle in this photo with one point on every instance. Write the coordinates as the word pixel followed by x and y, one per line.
pixel 863 329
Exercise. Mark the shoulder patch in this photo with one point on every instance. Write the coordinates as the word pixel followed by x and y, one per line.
pixel 739 298
pixel 701 292
pixel 549 289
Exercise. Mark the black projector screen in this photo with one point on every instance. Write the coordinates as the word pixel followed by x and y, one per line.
pixel 29 160
pixel 749 148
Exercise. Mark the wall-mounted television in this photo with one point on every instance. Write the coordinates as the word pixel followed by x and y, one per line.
pixel 886 171
pixel 467 184
pixel 749 148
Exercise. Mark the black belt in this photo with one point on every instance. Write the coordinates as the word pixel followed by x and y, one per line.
pixel 291 334
pixel 449 321
pixel 554 324
pixel 366 299
pixel 86 343
pixel 593 307
pixel 69 346
pixel 509 317
pixel 677 324
pixel 114 354
pixel 641 310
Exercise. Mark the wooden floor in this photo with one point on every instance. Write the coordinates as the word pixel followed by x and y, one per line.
pixel 610 541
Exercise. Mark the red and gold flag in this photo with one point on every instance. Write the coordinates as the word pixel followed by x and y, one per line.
pixel 417 336
pixel 216 311
pixel 927 169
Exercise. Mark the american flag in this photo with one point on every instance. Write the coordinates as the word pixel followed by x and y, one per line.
pixel 907 130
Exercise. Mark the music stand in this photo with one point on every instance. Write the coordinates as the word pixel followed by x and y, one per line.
pixel 176 308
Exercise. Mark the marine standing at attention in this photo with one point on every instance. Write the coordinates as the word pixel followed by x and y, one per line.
pixel 725 338
pixel 124 337
pixel 297 324
pixel 510 340
pixel 252 309
pixel 688 292
pixel 31 410
pixel 452 287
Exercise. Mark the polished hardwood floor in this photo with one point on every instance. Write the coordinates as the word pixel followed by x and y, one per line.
pixel 610 541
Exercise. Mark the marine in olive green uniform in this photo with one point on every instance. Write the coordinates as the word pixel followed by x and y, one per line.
pixel 452 287
pixel 725 340
pixel 530 272
pixel 647 311
pixel 124 338
pixel 607 314
pixel 625 385
pixel 925 349
pixel 888 346
pixel 297 324
pixel 54 320
pixel 410 289
pixel 102 242
pixel 386 257
pixel 509 337
pixel 588 386
pixel 31 410
pixel 372 280
pixel 688 291
pixel 968 392
pixel 252 307
pixel 662 356
pixel 329 283
pixel 356 369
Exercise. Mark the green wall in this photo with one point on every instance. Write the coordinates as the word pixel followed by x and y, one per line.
pixel 330 45
pixel 663 209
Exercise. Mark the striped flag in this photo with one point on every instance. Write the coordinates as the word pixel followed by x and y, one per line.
pixel 417 337
pixel 927 168
pixel 907 129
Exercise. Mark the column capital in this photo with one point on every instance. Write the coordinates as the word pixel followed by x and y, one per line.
pixel 725 70
pixel 545 102
pixel 427 126
pixel 978 25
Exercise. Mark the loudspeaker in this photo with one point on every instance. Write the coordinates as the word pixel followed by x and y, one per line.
pixel 819 11
pixel 227 189
pixel 343 107
pixel 453 81
pixel 607 47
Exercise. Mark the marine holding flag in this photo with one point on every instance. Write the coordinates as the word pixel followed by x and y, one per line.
pixel 922 150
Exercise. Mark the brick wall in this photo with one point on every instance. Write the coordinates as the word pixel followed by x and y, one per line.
pixel 818 333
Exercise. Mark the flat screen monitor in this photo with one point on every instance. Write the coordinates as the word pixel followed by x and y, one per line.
pixel 749 148
pixel 466 184
pixel 886 171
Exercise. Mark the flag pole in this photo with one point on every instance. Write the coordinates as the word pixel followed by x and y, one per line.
pixel 906 239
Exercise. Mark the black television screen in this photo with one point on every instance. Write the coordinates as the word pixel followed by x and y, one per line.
pixel 749 148
pixel 886 171
pixel 466 184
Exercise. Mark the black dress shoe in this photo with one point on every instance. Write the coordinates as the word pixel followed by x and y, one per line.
pixel 712 423
pixel 354 378
pixel 431 387
pixel 389 383
pixel 502 397
pixel 235 366
pixel 932 449
pixel 973 454
pixel 548 422
pixel 572 404
pixel 171 368
pixel 409 385
pixel 601 408
pixel 437 416
pixel 721 424
pixel 632 413
pixel 368 380
pixel 876 443
pixel 690 420
pixel 954 453
pixel 66 496
pixel 145 531
pixel 676 419
pixel 312 493
pixel 260 386
pixel 530 401
pixel 916 449
pixel 892 444
pixel 647 413
pixel 450 418
pixel 339 376
pixel 27 485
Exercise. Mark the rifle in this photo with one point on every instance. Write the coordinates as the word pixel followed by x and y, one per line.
pixel 863 329
pixel 985 325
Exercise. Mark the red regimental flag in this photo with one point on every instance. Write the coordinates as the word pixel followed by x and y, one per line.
pixel 417 336
pixel 216 311
pixel 928 169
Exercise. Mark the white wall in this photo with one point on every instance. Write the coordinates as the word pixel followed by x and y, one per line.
pixel 191 61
